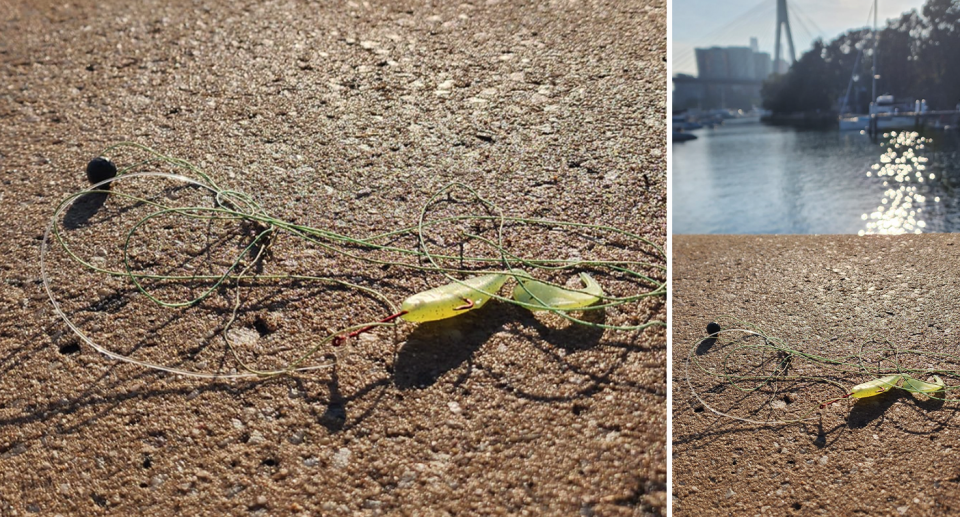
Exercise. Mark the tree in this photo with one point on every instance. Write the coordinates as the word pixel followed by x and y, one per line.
pixel 940 52
pixel 919 58
pixel 805 87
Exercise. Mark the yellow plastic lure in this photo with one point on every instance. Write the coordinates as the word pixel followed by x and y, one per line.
pixel 452 299
pixel 530 291
pixel 927 388
pixel 876 386
pixel 885 384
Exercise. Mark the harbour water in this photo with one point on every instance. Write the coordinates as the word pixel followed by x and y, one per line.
pixel 754 178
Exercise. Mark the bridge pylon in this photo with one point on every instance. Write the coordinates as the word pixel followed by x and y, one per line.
pixel 783 21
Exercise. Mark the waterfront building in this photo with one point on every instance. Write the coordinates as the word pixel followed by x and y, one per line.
pixel 727 77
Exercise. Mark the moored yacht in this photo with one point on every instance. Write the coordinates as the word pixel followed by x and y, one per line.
pixel 890 115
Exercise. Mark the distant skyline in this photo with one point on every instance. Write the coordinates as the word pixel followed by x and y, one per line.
pixel 707 23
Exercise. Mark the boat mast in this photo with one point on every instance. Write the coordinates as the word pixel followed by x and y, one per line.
pixel 874 98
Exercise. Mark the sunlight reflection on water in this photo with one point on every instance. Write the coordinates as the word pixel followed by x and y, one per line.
pixel 901 168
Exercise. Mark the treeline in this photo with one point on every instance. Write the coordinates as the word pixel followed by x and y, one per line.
pixel 919 58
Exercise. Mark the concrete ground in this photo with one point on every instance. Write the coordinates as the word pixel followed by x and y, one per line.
pixel 344 116
pixel 893 454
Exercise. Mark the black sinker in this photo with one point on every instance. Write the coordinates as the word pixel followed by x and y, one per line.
pixel 100 169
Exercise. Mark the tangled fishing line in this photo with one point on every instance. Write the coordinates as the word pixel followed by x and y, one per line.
pixel 767 376
pixel 141 265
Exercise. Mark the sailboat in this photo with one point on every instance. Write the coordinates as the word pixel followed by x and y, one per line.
pixel 889 114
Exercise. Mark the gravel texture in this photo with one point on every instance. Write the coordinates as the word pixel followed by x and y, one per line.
pixel 894 454
pixel 347 117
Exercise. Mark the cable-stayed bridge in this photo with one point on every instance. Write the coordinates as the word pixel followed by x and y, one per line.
pixel 732 76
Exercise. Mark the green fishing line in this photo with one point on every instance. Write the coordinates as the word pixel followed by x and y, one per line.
pixel 739 339
pixel 242 209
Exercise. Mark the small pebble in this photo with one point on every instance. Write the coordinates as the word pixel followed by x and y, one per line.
pixel 342 458
pixel 713 328
pixel 297 438
pixel 100 169
pixel 256 437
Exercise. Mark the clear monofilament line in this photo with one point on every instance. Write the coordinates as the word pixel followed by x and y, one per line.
pixel 738 346
pixel 230 206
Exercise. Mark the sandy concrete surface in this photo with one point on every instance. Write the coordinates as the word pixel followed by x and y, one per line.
pixel 894 454
pixel 349 115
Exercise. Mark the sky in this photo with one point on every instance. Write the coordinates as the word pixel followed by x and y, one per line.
pixel 724 23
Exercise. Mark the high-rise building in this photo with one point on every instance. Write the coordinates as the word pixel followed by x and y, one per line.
pixel 733 63
pixel 727 77
pixel 740 63
pixel 711 63
pixel 762 65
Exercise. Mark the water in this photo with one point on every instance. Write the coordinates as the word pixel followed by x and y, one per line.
pixel 753 178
